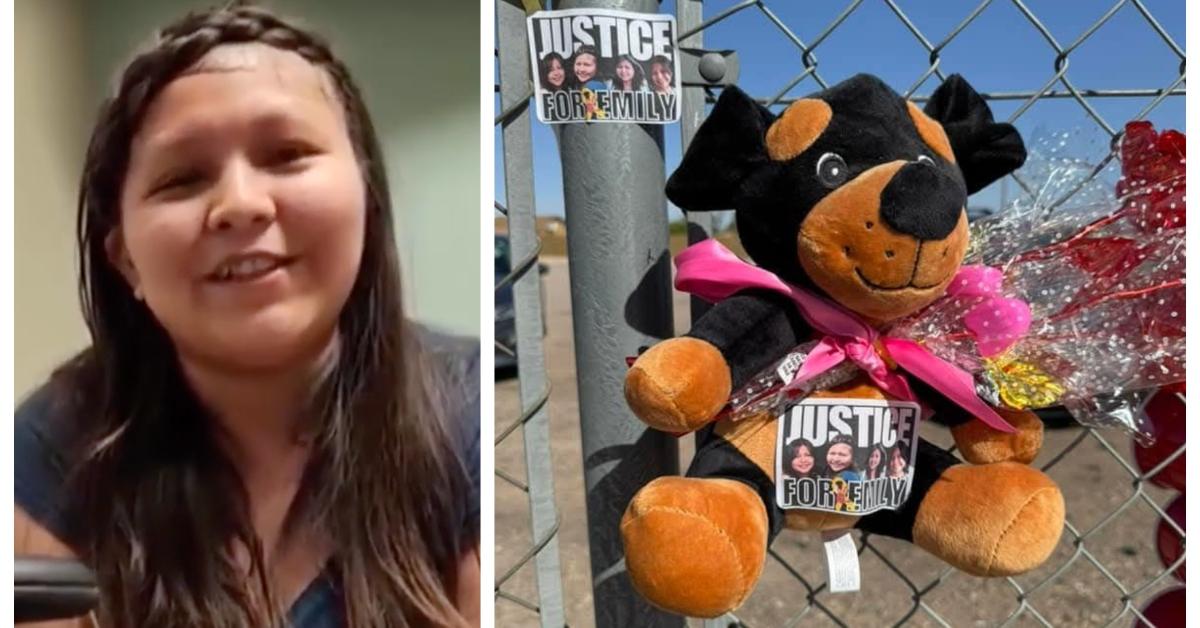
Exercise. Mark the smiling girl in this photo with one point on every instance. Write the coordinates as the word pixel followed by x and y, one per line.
pixel 628 75
pixel 257 434
pixel 839 459
pixel 876 463
pixel 801 461
pixel 585 65
pixel 552 72
pixel 897 463
pixel 662 78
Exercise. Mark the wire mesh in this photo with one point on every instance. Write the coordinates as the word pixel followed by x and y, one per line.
pixel 519 331
pixel 1083 553
pixel 1090 573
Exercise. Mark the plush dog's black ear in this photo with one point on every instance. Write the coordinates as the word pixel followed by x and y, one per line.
pixel 985 150
pixel 727 149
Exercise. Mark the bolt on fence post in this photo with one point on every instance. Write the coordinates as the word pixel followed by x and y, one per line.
pixel 518 188
pixel 613 178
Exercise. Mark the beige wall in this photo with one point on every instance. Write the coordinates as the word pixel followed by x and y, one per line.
pixel 417 64
pixel 50 139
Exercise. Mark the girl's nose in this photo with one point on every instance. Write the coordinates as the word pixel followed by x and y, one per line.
pixel 242 200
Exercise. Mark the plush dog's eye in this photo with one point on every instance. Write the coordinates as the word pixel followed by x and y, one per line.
pixel 925 159
pixel 831 170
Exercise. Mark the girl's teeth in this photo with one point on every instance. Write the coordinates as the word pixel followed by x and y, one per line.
pixel 245 267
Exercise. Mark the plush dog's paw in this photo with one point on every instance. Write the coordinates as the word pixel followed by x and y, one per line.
pixel 678 385
pixel 991 520
pixel 694 546
pixel 979 443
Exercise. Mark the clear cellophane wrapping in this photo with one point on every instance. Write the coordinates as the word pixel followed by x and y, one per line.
pixel 1101 266
pixel 1102 269
pixel 767 391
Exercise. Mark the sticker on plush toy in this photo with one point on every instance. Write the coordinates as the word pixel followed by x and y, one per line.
pixel 599 65
pixel 845 455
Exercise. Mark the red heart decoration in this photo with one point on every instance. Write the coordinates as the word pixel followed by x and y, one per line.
pixel 1166 410
pixel 1170 546
pixel 1168 610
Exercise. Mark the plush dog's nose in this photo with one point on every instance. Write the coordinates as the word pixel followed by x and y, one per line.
pixel 923 201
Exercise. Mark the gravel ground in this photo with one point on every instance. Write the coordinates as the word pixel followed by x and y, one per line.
pixel 1094 484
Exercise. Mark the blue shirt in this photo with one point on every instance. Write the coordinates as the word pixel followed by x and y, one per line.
pixel 40 469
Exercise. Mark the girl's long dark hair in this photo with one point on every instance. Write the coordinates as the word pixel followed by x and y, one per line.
pixel 789 452
pixel 666 64
pixel 639 75
pixel 827 472
pixel 157 508
pixel 572 80
pixel 544 72
pixel 880 470
pixel 897 452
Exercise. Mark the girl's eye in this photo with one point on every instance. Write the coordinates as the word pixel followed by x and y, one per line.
pixel 177 182
pixel 287 156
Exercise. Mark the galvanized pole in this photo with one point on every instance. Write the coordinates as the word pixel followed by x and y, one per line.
pixel 518 185
pixel 613 177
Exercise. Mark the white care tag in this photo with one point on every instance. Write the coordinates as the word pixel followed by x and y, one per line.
pixel 841 561
pixel 790 366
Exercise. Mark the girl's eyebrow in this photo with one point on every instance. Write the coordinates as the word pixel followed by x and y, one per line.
pixel 191 134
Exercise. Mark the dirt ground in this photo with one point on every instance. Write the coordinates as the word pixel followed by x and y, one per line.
pixel 1094 482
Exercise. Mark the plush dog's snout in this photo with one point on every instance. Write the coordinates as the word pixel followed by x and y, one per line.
pixel 923 201
pixel 888 242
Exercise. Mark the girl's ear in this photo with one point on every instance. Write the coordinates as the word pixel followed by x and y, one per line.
pixel 985 150
pixel 118 256
pixel 727 149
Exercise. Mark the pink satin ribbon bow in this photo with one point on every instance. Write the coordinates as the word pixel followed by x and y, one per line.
pixel 712 272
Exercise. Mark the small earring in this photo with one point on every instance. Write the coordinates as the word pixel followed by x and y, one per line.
pixel 137 293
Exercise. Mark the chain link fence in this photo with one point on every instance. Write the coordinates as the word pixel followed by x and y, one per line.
pixel 1105 568
pixel 1100 589
pixel 519 328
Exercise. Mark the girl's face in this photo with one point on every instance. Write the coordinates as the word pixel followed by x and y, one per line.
pixel 875 459
pixel 660 75
pixel 897 461
pixel 838 457
pixel 624 70
pixel 557 74
pixel 243 209
pixel 585 67
pixel 803 462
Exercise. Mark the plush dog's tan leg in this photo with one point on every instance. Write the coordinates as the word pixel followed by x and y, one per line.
pixel 678 385
pixel 997 519
pixel 979 443
pixel 695 546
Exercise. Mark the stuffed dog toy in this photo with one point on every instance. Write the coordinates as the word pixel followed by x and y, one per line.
pixel 857 195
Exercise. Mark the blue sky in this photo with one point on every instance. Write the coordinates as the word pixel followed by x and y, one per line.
pixel 1000 51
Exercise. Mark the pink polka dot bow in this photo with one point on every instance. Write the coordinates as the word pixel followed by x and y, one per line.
pixel 997 323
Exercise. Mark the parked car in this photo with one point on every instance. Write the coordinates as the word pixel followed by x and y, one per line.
pixel 505 316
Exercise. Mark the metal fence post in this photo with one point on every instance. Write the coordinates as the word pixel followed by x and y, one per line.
pixel 700 225
pixel 613 177
pixel 688 15
pixel 534 386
